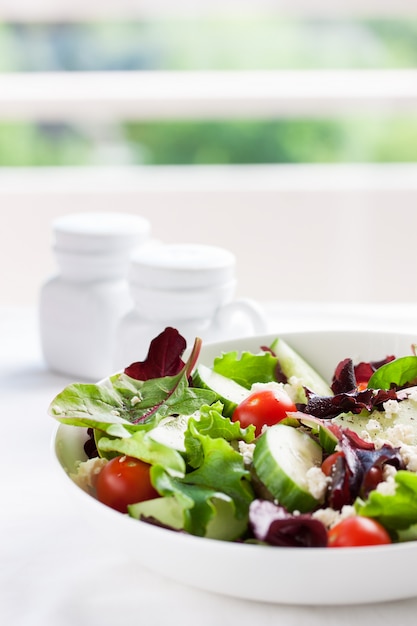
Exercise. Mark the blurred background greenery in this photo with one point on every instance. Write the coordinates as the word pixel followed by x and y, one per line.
pixel 215 44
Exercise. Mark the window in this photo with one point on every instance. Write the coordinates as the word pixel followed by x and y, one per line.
pixel 302 113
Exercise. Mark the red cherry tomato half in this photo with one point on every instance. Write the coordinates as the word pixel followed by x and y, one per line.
pixel 263 408
pixel 328 463
pixel 358 531
pixel 124 480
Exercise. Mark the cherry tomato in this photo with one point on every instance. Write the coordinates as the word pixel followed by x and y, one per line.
pixel 262 408
pixel 328 463
pixel 124 480
pixel 372 479
pixel 361 386
pixel 357 531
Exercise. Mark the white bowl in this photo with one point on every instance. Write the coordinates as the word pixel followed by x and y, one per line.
pixel 314 576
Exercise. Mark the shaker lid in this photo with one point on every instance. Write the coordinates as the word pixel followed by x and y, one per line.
pixel 182 266
pixel 99 232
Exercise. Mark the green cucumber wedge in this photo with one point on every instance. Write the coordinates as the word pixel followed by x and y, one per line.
pixel 229 392
pixel 281 459
pixel 169 512
pixel 292 364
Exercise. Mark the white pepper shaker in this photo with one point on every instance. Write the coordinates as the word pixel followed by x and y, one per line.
pixel 80 307
pixel 189 287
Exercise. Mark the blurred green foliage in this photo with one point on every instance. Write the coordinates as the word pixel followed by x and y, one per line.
pixel 241 43
pixel 357 139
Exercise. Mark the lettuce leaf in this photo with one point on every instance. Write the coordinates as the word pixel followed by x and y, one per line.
pixel 397 373
pixel 121 405
pixel 397 511
pixel 141 446
pixel 220 475
pixel 212 423
pixel 248 368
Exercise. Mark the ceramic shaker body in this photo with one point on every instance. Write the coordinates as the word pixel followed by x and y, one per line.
pixel 81 306
pixel 190 287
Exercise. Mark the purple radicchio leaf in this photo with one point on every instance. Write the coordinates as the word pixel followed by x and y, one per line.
pixel 327 407
pixel 347 376
pixel 275 526
pixel 353 473
pixel 364 370
pixel 163 358
pixel 344 379
pixel 169 346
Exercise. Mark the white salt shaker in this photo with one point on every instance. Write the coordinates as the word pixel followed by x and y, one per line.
pixel 190 287
pixel 81 306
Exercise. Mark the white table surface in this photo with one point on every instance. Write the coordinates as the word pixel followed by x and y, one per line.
pixel 54 572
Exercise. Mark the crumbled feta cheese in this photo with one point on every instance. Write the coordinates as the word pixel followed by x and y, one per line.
pixel 399 435
pixel 329 517
pixel 391 408
pixel 246 450
pixel 317 482
pixel 115 413
pixel 134 400
pixel 365 435
pixel 409 456
pixel 387 487
pixel 294 387
pixel 86 473
pixel 272 386
pixel 388 471
pixel 373 426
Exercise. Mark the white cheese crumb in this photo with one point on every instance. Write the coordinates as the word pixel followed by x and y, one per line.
pixel 409 456
pixel 365 435
pixel 115 413
pixel 134 400
pixel 329 517
pixel 388 471
pixel 293 387
pixel 398 435
pixel 388 486
pixel 264 386
pixel 317 482
pixel 246 450
pixel 373 426
pixel 87 472
pixel 391 408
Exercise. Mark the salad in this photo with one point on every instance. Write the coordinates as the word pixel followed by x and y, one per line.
pixel 257 448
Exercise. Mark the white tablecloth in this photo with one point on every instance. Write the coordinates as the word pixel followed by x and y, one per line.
pixel 54 572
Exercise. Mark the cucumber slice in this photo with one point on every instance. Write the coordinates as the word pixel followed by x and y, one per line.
pixel 327 439
pixel 229 392
pixel 281 459
pixel 292 364
pixel 168 511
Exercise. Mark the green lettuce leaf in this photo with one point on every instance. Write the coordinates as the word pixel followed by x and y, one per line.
pixel 397 511
pixel 221 475
pixel 399 372
pixel 211 423
pixel 247 368
pixel 141 446
pixel 123 405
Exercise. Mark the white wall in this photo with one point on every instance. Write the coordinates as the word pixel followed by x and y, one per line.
pixel 324 233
